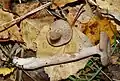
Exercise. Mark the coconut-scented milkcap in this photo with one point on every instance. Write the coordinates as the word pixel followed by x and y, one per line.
pixel 60 33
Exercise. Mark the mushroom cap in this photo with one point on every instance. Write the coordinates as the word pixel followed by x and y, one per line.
pixel 60 33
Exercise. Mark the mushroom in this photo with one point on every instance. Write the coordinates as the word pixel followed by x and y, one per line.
pixel 102 49
pixel 60 33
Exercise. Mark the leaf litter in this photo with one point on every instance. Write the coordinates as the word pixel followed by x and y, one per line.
pixel 33 34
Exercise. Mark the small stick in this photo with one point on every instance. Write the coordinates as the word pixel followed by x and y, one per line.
pixel 78 14
pixel 13 22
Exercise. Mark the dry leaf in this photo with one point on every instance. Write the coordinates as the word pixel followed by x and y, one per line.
pixel 6 71
pixel 61 3
pixel 114 59
pixel 78 41
pixel 62 71
pixel 95 26
pixel 83 18
pixel 110 7
pixel 13 32
pixel 31 29
pixel 34 34
pixel 5 4
pixel 24 8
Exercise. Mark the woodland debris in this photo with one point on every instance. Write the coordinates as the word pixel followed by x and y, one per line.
pixel 17 20
pixel 11 34
pixel 96 25
pixel 24 8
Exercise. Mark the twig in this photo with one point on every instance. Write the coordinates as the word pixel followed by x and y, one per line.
pixel 13 22
pixel 106 75
pixel 52 12
pixel 78 14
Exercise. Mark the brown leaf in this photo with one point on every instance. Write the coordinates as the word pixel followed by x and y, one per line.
pixel 61 3
pixel 34 34
pixel 63 71
pixel 12 33
pixel 6 4
pixel 114 59
pixel 24 8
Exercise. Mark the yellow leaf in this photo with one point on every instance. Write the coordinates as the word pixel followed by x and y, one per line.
pixel 95 26
pixel 34 33
pixel 30 27
pixel 58 72
pixel 13 32
pixel 6 71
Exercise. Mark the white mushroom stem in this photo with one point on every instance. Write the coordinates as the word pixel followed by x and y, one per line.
pixel 101 49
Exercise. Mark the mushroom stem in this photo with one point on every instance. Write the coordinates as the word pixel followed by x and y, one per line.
pixel 33 62
pixel 102 49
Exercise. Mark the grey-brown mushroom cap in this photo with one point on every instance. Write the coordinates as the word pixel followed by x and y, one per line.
pixel 62 29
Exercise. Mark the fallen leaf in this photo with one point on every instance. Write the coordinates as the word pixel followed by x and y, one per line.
pixel 13 32
pixel 24 8
pixel 61 3
pixel 95 26
pixel 114 59
pixel 5 4
pixel 84 16
pixel 34 34
pixel 31 29
pixel 110 7
pixel 62 71
pixel 6 71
